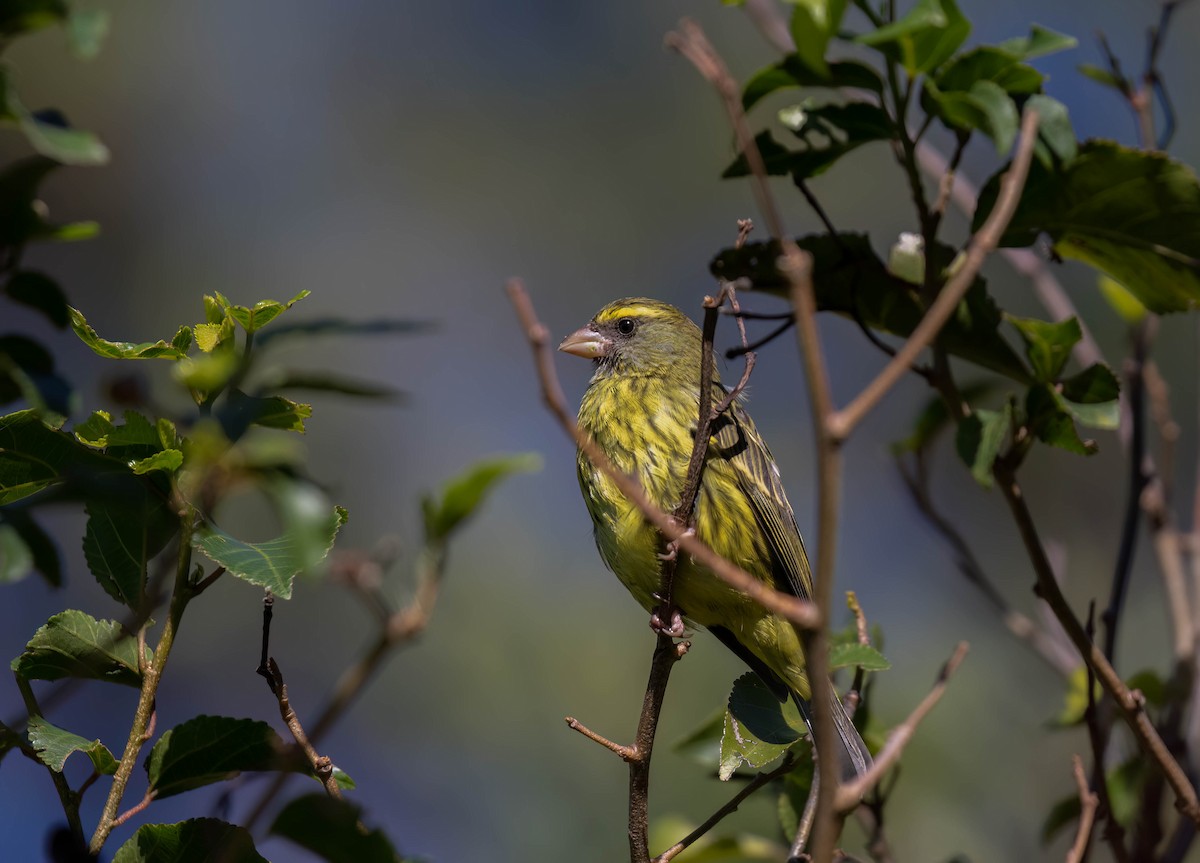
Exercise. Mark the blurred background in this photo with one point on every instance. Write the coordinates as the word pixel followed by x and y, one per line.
pixel 401 160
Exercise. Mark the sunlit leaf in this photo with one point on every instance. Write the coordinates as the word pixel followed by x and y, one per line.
pixel 857 655
pixel 1047 344
pixel 123 350
pixel 200 840
pixel 462 495
pixel 759 728
pixel 38 291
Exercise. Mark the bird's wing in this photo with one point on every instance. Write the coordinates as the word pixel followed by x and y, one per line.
pixel 738 442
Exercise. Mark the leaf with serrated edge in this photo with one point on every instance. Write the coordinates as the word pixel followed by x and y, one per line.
pixel 54 746
pixel 121 350
pixel 200 840
pixel 862 656
pixel 271 564
pixel 208 749
pixel 75 644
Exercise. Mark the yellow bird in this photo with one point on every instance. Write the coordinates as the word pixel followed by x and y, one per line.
pixel 641 408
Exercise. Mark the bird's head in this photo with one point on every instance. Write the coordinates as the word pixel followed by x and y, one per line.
pixel 638 336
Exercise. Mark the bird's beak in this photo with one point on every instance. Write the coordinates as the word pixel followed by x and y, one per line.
pixel 587 343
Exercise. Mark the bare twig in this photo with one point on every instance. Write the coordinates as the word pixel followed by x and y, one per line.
pixel 321 764
pixel 729 808
pixel 982 243
pixel 625 753
pixel 137 808
pixel 1088 802
pixel 1130 704
pixel 849 795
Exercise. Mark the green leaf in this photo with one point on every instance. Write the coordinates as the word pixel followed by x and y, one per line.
pixel 271 564
pixel 924 38
pixel 985 107
pixel 857 655
pixel 330 829
pixel 49 135
pixel 1132 214
pixel 169 460
pixel 1124 783
pixel 208 749
pixel 987 63
pixel 1053 421
pixel 796 786
pixel 16 560
pixel 256 317
pixel 825 134
pixel 462 495
pixel 1040 42
pixel 127 529
pixel 327 382
pixel 1094 385
pixel 207 373
pixel 852 281
pixel 275 412
pixel 814 23
pixel 34 456
pixel 23 16
pixel 54 746
pixel 27 373
pixel 792 72
pixel 22 213
pixel 979 439
pixel 342 327
pixel 123 350
pixel 1056 144
pixel 758 727
pixel 1124 303
pixel 38 291
pixel 200 840
pixel 935 417
pixel 86 31
pixel 74 644
pixel 1101 76
pixel 1063 813
pixel 39 547
pixel 1048 345
pixel 1153 688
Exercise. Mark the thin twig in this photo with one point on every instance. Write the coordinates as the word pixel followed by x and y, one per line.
pixel 68 798
pixel 321 764
pixel 137 808
pixel 1088 802
pixel 625 753
pixel 1131 705
pixel 729 808
pixel 850 794
pixel 982 243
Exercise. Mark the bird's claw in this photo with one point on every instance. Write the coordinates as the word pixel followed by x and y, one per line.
pixel 675 628
pixel 672 551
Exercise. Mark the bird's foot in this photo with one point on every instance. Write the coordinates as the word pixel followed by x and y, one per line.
pixel 672 551
pixel 672 625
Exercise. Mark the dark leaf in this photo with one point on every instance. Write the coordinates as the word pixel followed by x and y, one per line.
pixel 791 72
pixel 330 829
pixel 703 744
pixel 54 746
pixel 1053 422
pixel 38 291
pixel 342 327
pixel 462 495
pixel 210 749
pixel 758 727
pixel 1132 214
pixel 34 456
pixel 851 280
pixel 979 439
pixel 330 383
pixel 127 527
pixel 21 16
pixel 74 644
pixel 200 840
pixel 40 548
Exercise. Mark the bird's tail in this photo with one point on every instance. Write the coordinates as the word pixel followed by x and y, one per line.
pixel 854 759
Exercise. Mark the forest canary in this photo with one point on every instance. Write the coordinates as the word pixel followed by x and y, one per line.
pixel 641 408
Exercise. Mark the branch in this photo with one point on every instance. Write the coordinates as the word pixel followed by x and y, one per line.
pixel 982 244
pixel 321 764
pixel 1130 704
pixel 68 798
pixel 1088 802
pixel 151 676
pixel 849 795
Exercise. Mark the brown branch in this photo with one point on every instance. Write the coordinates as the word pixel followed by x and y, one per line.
pixel 849 795
pixel 1130 704
pixel 798 611
pixel 982 244
pixel 137 808
pixel 321 764
pixel 1088 802
pixel 625 753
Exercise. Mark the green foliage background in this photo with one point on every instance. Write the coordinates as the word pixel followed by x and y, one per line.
pixel 399 160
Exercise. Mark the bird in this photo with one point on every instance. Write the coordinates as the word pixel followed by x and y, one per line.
pixel 641 408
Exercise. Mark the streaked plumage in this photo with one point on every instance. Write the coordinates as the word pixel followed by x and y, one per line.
pixel 641 408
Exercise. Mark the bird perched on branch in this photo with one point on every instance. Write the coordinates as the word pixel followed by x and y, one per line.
pixel 642 409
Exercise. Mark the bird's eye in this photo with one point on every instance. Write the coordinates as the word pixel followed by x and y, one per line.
pixel 626 326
